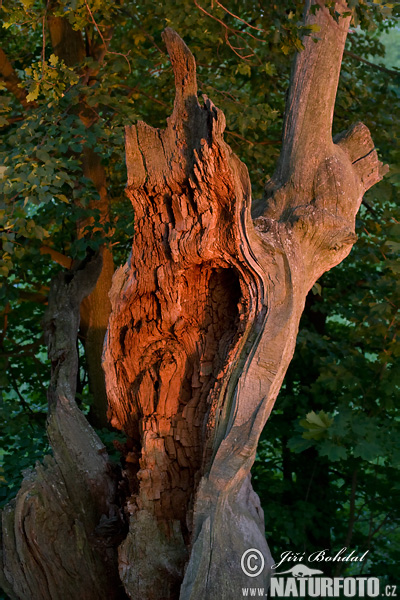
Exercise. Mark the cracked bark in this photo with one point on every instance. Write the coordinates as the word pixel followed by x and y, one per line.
pixel 206 312
pixel 203 326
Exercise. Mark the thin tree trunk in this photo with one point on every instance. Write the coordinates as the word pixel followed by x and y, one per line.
pixel 69 45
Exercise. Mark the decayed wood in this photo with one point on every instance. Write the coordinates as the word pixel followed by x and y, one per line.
pixel 55 543
pixel 204 321
pixel 206 312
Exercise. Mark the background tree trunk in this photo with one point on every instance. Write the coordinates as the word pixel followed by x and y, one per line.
pixel 69 46
pixel 203 327
pixel 59 535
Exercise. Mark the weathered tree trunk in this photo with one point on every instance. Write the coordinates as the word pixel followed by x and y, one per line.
pixel 206 312
pixel 203 327
pixel 55 540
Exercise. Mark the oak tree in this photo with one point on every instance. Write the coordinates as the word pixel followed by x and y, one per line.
pixel 203 325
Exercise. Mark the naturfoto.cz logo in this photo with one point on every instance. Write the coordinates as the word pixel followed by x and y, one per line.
pixel 308 584
pixel 302 581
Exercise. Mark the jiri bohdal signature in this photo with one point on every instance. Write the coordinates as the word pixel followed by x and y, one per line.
pixel 344 555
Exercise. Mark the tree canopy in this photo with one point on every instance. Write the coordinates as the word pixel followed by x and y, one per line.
pixel 73 73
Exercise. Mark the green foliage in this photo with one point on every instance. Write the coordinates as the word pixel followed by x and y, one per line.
pixel 336 420
pixel 391 41
pixel 23 401
pixel 315 425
